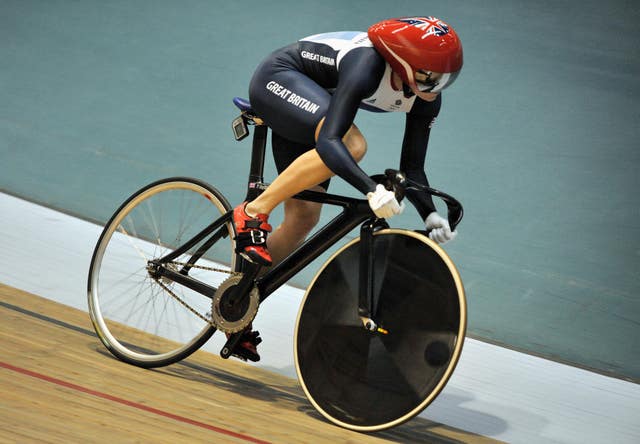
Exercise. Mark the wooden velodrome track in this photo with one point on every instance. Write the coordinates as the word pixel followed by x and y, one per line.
pixel 59 384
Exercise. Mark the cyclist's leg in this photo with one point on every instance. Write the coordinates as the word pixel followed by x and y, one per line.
pixel 298 125
pixel 305 172
pixel 300 216
pixel 299 219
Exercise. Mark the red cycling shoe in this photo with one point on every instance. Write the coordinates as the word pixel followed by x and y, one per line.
pixel 246 348
pixel 251 239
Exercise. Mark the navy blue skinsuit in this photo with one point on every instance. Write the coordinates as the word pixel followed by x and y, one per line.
pixel 333 75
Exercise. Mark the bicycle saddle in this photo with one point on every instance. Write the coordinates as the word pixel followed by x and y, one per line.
pixel 243 105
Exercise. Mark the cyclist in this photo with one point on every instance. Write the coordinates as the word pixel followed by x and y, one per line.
pixel 309 93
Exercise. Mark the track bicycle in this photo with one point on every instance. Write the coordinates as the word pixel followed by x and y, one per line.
pixel 380 328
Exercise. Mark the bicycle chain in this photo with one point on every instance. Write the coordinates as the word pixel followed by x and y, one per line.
pixel 202 267
pixel 181 301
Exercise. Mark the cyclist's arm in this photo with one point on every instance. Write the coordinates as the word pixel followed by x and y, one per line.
pixel 360 73
pixel 414 151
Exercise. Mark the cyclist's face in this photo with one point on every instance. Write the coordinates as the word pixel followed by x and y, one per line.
pixel 425 82
pixel 428 96
pixel 428 81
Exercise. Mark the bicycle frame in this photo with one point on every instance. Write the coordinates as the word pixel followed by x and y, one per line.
pixel 354 212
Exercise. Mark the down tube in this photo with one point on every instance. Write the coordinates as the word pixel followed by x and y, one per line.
pixel 307 252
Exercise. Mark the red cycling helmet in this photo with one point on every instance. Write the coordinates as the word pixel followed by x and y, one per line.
pixel 424 51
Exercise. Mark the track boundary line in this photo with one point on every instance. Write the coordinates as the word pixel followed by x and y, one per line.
pixel 128 403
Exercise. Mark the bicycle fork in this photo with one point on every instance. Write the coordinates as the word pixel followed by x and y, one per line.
pixel 366 303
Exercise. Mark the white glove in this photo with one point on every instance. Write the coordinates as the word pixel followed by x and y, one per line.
pixel 384 203
pixel 440 231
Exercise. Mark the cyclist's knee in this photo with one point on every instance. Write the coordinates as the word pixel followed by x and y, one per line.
pixel 353 140
pixel 356 143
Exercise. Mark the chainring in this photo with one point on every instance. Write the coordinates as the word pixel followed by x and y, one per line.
pixel 232 319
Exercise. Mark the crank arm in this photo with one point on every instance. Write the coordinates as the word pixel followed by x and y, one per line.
pixel 230 345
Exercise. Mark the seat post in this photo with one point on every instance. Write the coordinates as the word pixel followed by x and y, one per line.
pixel 256 173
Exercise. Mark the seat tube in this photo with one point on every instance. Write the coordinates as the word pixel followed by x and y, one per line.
pixel 256 173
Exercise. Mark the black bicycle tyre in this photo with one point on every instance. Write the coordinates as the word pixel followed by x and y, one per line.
pixel 130 353
pixel 369 382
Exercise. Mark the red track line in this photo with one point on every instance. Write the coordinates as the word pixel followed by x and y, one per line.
pixel 130 403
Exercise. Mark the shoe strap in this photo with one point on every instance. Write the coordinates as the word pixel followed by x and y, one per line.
pixel 258 223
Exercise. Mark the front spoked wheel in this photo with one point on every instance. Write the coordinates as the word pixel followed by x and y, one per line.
pixel 369 381
pixel 150 321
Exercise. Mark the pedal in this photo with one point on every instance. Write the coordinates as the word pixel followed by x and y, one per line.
pixel 254 337
pixel 231 346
